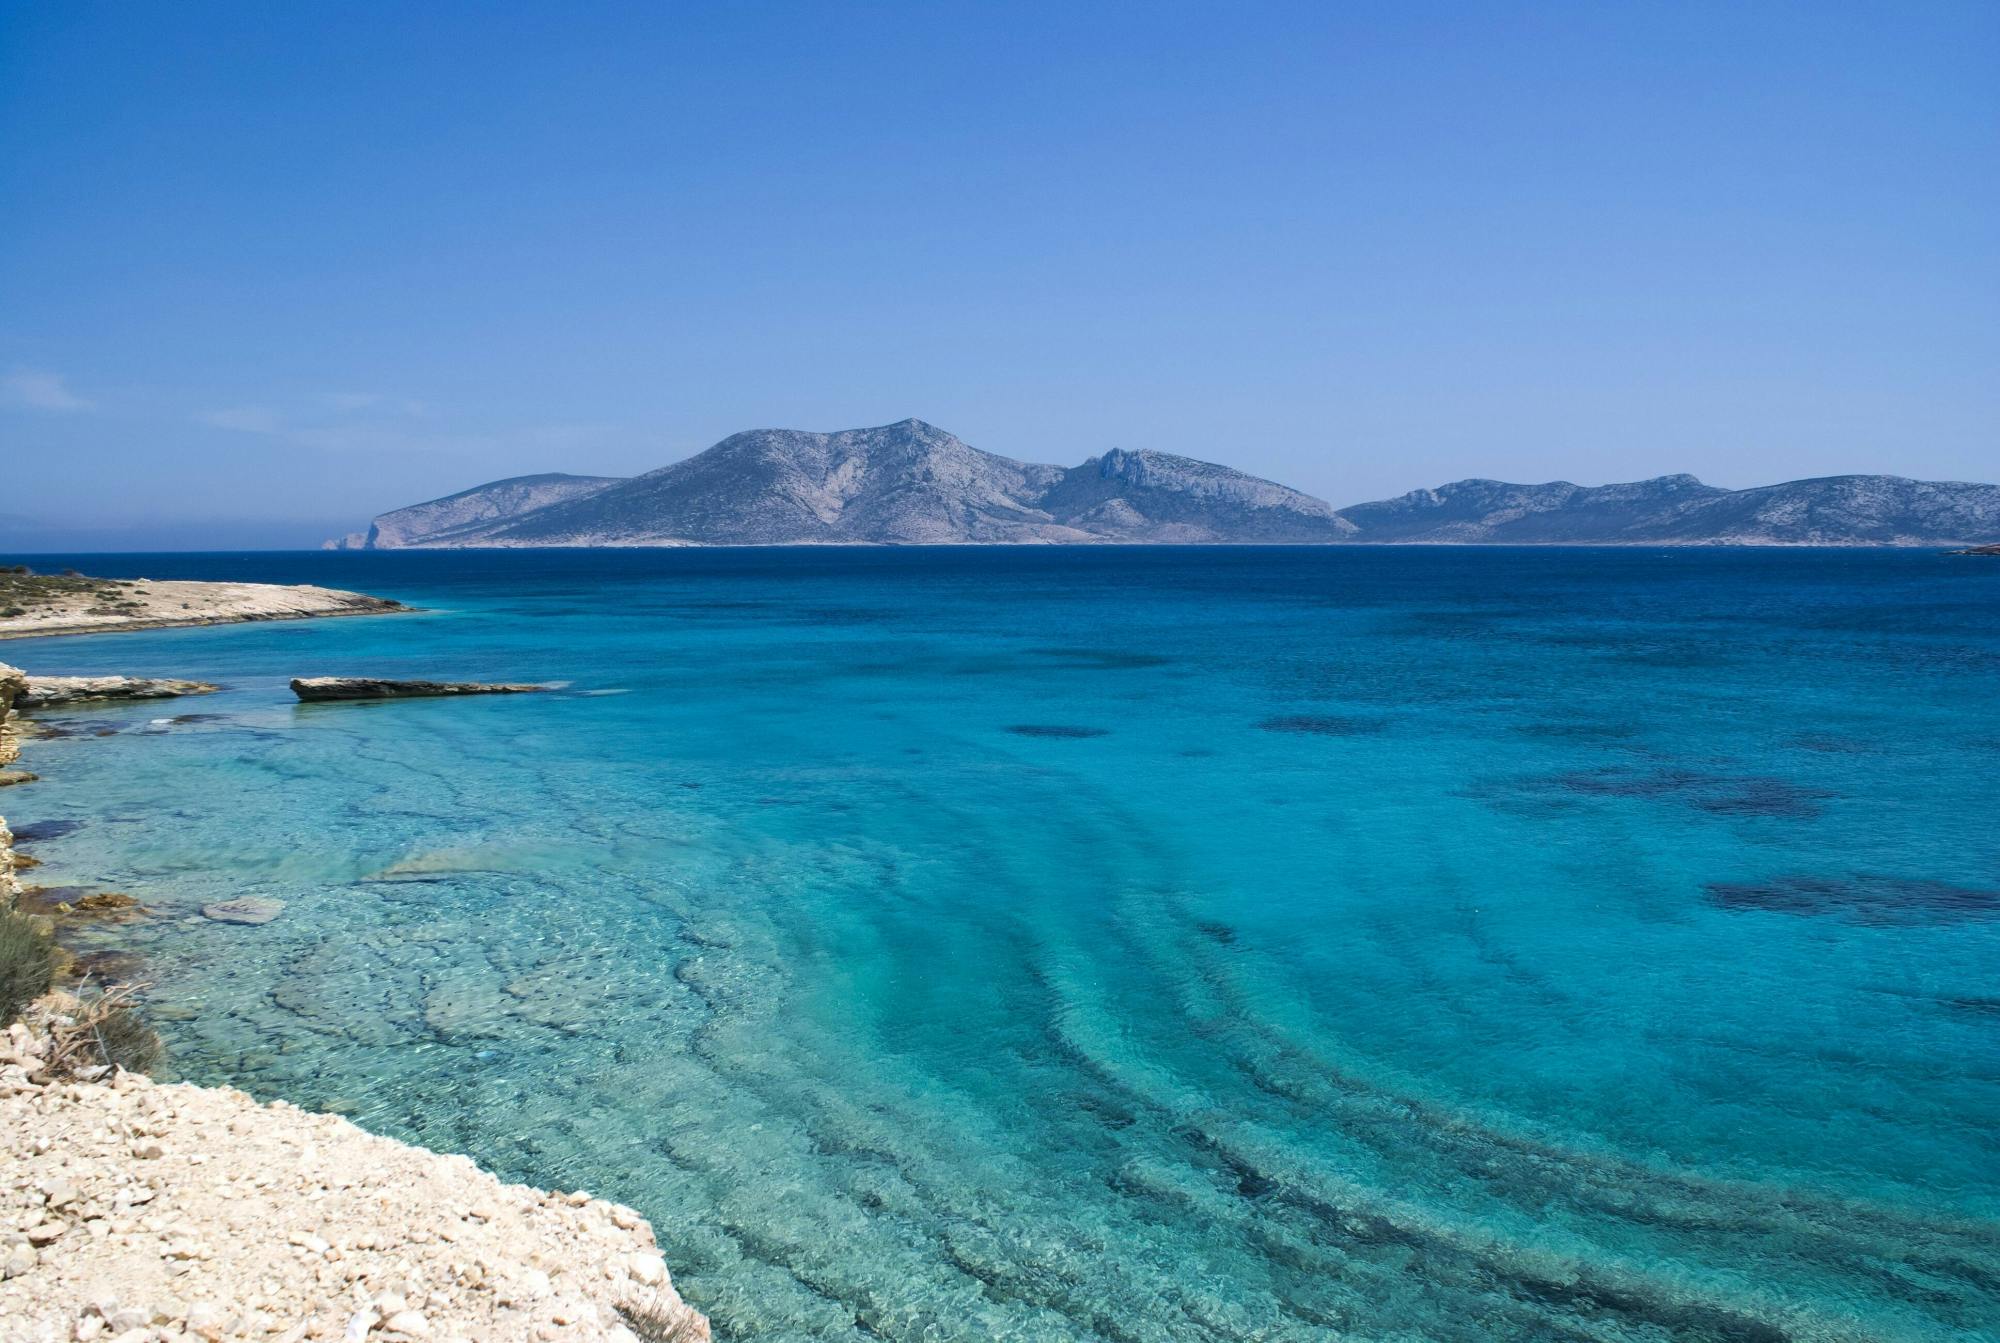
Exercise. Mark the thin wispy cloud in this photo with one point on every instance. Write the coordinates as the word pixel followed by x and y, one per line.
pixel 243 420
pixel 370 424
pixel 354 403
pixel 34 389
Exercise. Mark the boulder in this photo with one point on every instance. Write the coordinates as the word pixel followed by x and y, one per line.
pixel 320 689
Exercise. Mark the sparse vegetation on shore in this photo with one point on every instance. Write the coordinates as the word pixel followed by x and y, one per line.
pixel 34 605
pixel 27 962
pixel 23 592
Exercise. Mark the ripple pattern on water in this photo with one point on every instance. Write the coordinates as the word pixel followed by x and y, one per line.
pixel 1141 946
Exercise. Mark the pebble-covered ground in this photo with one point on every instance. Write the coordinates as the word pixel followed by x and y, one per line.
pixel 141 1213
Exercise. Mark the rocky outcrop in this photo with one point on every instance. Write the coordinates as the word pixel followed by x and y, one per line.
pixel 48 691
pixel 13 689
pixel 13 685
pixel 10 884
pixel 908 483
pixel 318 689
pixel 135 1211
pixel 1978 550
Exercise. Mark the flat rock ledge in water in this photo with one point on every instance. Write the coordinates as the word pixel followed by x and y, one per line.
pixel 154 1212
pixel 248 909
pixel 321 689
pixel 47 691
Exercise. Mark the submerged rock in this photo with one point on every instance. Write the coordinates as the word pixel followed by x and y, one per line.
pixel 105 902
pixel 318 689
pixel 57 901
pixel 108 968
pixel 248 909
pixel 1057 730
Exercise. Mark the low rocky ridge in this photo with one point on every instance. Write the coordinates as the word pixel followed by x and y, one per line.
pixel 912 483
pixel 140 1212
pixel 34 605
pixel 1680 510
pixel 321 689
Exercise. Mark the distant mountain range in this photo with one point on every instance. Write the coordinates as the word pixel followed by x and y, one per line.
pixel 1680 510
pixel 914 484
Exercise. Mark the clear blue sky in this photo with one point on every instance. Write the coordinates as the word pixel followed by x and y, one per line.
pixel 266 270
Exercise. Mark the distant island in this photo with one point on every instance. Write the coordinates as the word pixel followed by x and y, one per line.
pixel 912 483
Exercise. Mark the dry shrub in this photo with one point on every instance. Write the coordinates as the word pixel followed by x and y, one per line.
pixel 87 1035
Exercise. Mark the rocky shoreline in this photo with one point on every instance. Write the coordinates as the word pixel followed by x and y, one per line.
pixel 139 1212
pixel 147 1213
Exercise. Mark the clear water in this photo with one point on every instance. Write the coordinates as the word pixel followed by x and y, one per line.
pixel 1129 945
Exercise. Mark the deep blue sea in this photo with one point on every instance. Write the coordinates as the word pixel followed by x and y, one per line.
pixel 1121 944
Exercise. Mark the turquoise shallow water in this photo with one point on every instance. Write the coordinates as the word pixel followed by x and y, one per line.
pixel 1131 945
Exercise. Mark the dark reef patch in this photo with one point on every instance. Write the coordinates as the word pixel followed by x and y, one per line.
pixel 1973 1005
pixel 59 728
pixel 1874 900
pixel 1056 730
pixel 109 968
pixel 1216 932
pixel 1717 794
pixel 1762 797
pixel 1099 659
pixel 1571 729
pixel 46 899
pixel 36 831
pixel 1324 724
pixel 844 615
pixel 1831 743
